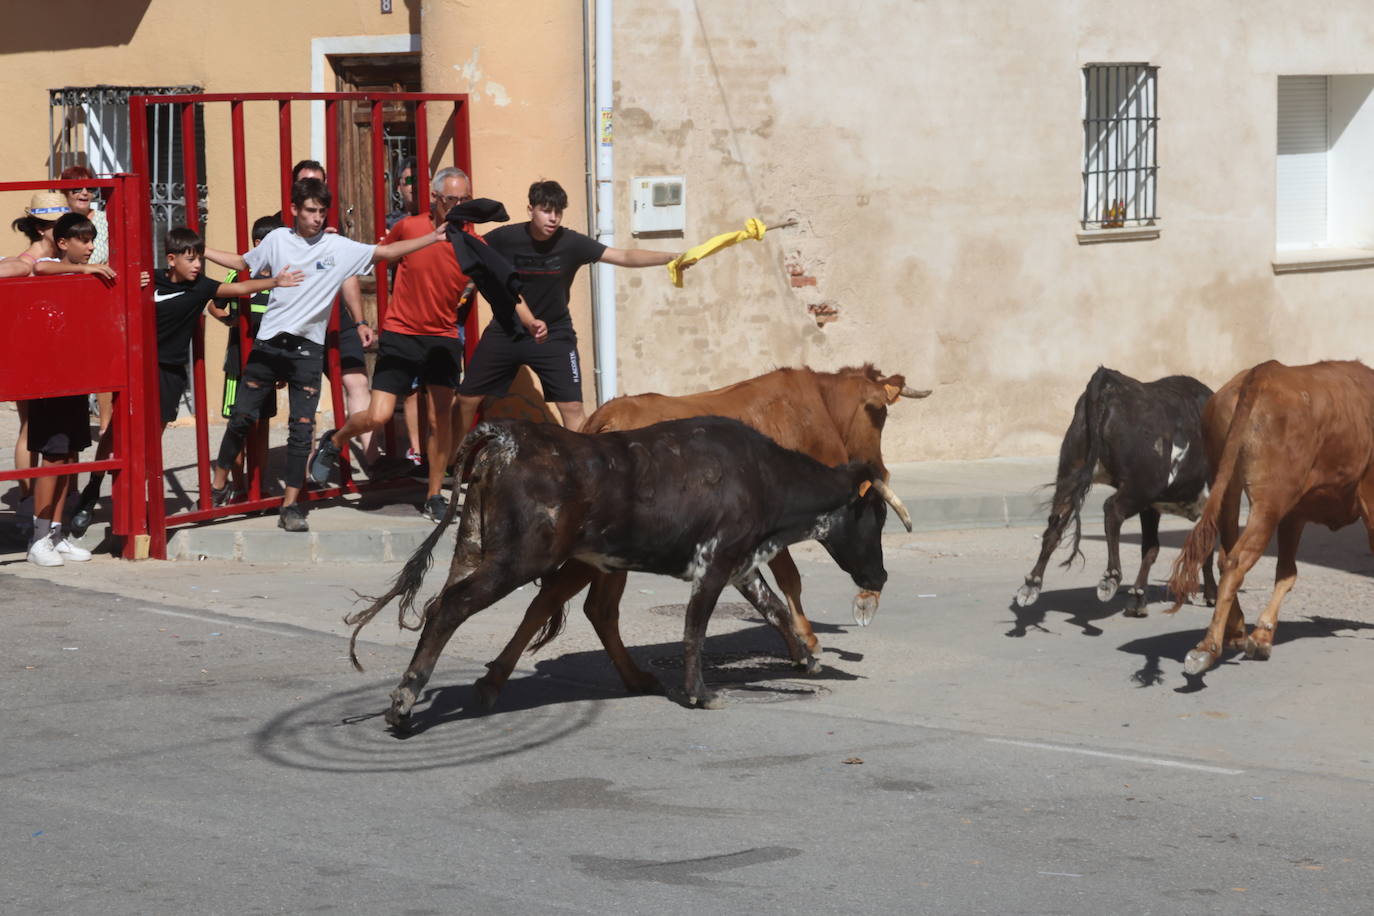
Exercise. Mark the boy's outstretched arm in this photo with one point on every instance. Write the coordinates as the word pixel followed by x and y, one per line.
pixel 226 259
pixel 637 257
pixel 287 277
pixel 400 249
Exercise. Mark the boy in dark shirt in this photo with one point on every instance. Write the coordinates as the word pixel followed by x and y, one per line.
pixel 180 295
pixel 546 257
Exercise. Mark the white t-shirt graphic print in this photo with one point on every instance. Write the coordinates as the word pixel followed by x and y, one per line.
pixel 327 260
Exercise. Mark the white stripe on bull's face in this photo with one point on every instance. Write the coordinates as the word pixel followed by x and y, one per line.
pixel 1176 457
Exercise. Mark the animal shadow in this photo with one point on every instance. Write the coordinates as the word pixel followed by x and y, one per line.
pixel 1176 645
pixel 1081 606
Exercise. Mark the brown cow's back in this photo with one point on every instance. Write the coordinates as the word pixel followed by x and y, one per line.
pixel 787 405
pixel 1308 439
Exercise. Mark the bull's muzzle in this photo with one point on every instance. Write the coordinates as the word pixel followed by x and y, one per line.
pixel 865 607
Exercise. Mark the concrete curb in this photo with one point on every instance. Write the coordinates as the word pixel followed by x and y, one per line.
pixel 358 545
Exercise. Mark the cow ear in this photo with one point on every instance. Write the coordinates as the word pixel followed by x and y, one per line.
pixel 893 392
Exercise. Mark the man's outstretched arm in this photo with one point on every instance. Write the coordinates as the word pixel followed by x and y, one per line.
pixel 637 257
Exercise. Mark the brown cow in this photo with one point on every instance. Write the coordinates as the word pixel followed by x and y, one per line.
pixel 834 417
pixel 1299 442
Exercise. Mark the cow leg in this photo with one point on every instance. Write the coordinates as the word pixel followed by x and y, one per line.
pixel 1114 513
pixel 1228 622
pixel 602 608
pixel 455 604
pixel 789 583
pixel 1137 595
pixel 1260 643
pixel 555 591
pixel 775 612
pixel 705 592
pixel 1060 514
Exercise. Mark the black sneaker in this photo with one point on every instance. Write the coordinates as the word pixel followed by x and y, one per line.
pixel 325 460
pixel 81 520
pixel 292 518
pixel 434 508
pixel 220 496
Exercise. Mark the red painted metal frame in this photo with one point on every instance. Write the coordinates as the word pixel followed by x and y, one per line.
pixel 76 334
pixel 145 338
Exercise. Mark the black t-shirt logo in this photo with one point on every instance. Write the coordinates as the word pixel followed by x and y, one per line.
pixel 539 264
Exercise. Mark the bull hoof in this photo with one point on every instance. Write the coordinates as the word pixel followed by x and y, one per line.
pixel 1027 595
pixel 487 692
pixel 1197 661
pixel 1257 650
pixel 865 607
pixel 398 715
pixel 707 699
pixel 811 665
pixel 1135 602
pixel 1107 588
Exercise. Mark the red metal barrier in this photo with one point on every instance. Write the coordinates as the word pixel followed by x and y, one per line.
pixel 77 334
pixel 457 129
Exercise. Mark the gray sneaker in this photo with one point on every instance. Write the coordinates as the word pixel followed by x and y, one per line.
pixel 434 508
pixel 325 460
pixel 292 518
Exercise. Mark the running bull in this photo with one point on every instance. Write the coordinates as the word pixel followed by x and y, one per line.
pixel 706 499
pixel 1144 439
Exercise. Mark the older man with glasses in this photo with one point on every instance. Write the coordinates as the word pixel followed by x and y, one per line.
pixel 419 340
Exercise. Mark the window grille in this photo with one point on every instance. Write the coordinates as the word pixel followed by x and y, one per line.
pixel 1120 145
pixel 90 126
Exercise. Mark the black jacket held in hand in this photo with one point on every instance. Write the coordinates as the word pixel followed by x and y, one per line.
pixel 494 276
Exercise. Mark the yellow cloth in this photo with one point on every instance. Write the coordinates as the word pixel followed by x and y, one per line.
pixel 753 229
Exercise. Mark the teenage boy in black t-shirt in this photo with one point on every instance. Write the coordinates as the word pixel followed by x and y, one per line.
pixel 180 295
pixel 546 256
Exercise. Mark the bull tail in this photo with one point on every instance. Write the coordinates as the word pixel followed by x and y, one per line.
pixel 412 575
pixel 1078 460
pixel 551 628
pixel 1198 547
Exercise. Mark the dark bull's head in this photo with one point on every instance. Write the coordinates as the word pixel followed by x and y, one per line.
pixel 853 538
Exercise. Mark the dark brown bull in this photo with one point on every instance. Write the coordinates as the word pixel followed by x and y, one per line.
pixel 1299 442
pixel 834 417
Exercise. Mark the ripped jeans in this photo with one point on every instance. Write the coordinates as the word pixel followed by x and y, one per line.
pixel 284 358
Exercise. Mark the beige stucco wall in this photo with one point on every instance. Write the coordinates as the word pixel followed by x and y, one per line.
pixel 932 154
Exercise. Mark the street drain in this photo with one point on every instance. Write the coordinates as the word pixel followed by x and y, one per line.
pixel 737 610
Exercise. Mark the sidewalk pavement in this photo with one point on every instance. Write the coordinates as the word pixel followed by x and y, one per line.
pixel 385 525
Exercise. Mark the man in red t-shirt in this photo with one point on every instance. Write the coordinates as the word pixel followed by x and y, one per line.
pixel 419 340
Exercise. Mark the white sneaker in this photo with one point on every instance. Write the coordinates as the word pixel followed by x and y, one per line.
pixel 70 551
pixel 43 553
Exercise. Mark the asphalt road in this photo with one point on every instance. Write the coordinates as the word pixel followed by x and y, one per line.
pixel 189 738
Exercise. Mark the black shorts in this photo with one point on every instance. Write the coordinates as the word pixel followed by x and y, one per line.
pixel 498 358
pixel 402 358
pixel 59 426
pixel 351 350
pixel 172 381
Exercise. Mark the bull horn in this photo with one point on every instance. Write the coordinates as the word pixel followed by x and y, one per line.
pixel 891 499
pixel 908 392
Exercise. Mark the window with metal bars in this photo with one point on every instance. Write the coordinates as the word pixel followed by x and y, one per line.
pixel 90 126
pixel 1120 146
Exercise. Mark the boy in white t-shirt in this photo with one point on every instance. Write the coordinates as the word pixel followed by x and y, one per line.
pixel 290 342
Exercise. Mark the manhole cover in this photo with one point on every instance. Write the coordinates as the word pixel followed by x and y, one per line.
pixel 736 609
pixel 775 691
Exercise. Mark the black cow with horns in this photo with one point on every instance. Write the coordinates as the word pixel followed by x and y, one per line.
pixel 705 499
pixel 1144 439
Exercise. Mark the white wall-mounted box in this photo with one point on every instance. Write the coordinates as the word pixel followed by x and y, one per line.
pixel 658 204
